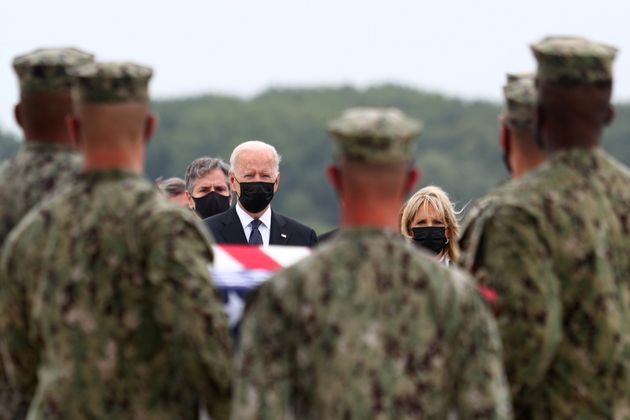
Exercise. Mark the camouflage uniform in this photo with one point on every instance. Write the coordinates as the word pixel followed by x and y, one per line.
pixel 555 248
pixel 40 167
pixel 520 96
pixel 369 326
pixel 108 308
pixel 37 170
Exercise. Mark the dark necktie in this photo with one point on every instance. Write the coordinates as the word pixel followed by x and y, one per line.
pixel 255 238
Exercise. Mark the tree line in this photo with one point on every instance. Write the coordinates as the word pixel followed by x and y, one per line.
pixel 458 148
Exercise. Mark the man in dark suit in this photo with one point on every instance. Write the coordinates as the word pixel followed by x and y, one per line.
pixel 254 176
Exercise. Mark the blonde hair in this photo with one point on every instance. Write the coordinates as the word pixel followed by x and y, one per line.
pixel 436 198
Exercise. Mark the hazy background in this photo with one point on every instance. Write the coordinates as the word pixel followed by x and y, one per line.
pixel 460 48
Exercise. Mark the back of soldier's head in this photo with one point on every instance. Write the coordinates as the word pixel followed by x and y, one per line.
pixel 574 78
pixel 374 148
pixel 111 102
pixel 45 82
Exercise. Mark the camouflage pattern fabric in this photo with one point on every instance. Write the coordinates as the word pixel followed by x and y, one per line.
pixel 573 59
pixel 36 171
pixel 520 97
pixel 555 248
pixel 111 82
pixel 46 69
pixel 375 135
pixel 479 211
pixel 369 327
pixel 108 310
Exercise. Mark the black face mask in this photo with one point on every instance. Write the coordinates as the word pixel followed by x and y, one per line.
pixel 432 238
pixel 255 196
pixel 211 204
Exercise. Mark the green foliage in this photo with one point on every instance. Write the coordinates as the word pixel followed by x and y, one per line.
pixel 457 149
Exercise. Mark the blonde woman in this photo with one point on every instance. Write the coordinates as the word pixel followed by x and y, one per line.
pixel 429 219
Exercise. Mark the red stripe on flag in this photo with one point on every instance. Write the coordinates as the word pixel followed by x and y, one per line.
pixel 252 257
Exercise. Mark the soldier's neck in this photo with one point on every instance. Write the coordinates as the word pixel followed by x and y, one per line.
pixel 51 137
pixel 112 159
pixel 367 216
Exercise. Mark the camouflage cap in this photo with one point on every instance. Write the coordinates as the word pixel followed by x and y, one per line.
pixel 375 135
pixel 573 59
pixel 111 82
pixel 520 96
pixel 46 69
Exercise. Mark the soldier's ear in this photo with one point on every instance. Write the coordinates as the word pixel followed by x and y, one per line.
pixel 150 124
pixel 610 115
pixel 333 173
pixel 74 129
pixel 504 135
pixel 413 176
pixel 17 112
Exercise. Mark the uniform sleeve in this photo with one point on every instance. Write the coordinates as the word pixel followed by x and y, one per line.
pixel 481 389
pixel 19 342
pixel 188 309
pixel 512 257
pixel 263 386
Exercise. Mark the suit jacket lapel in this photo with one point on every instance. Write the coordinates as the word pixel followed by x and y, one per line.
pixel 279 234
pixel 232 229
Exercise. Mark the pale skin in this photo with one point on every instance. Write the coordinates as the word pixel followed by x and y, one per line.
pixel 179 199
pixel 370 194
pixel 254 164
pixel 112 136
pixel 213 181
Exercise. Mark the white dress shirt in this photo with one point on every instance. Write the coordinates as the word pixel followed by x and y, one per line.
pixel 246 220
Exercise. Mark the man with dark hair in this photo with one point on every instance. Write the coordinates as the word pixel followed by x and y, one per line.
pixel 555 249
pixel 208 189
pixel 369 326
pixel 107 305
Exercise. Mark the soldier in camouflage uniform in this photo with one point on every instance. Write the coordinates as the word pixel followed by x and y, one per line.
pixel 369 326
pixel 556 247
pixel 520 151
pixel 47 160
pixel 108 309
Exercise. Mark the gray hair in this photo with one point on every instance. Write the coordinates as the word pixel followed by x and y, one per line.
pixel 199 167
pixel 171 186
pixel 258 145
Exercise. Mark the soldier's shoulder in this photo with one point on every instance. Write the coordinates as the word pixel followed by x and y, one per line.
pixel 163 215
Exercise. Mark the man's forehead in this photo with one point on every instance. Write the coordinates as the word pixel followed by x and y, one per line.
pixel 255 158
pixel 256 154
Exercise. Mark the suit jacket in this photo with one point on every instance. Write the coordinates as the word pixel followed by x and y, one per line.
pixel 226 228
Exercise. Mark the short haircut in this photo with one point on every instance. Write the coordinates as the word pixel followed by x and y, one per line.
pixel 199 167
pixel 439 201
pixel 172 186
pixel 255 144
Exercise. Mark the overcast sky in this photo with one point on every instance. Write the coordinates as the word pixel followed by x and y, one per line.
pixel 460 48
